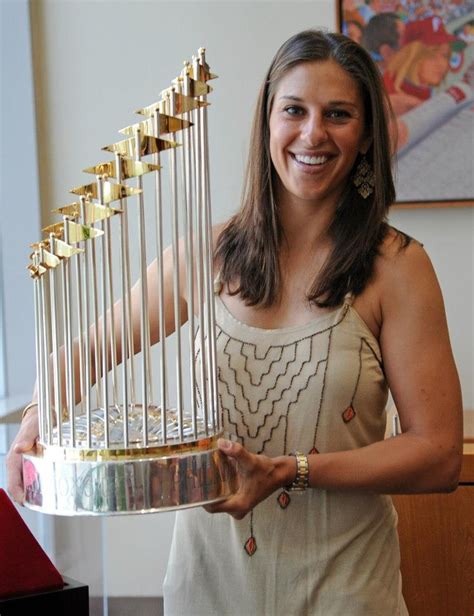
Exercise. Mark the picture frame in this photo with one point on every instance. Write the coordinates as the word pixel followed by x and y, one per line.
pixel 424 50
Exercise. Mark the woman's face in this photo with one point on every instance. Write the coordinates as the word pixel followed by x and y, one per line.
pixel 432 69
pixel 316 131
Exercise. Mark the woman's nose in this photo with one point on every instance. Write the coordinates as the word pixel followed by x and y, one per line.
pixel 314 130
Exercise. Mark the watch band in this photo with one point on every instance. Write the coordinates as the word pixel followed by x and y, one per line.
pixel 301 481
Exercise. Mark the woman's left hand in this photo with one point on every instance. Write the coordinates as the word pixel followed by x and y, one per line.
pixel 258 475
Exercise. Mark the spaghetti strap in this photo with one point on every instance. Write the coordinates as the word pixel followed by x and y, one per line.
pixel 348 298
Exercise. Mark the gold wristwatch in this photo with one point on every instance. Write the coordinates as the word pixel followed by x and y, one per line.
pixel 301 481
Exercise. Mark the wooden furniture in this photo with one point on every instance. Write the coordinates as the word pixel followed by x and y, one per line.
pixel 437 547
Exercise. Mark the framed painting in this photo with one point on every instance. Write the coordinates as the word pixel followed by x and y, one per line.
pixel 424 50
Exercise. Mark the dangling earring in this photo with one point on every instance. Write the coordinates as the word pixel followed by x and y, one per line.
pixel 364 178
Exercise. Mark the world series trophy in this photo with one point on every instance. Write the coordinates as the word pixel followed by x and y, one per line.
pixel 112 438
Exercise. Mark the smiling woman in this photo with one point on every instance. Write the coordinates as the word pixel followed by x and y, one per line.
pixel 321 307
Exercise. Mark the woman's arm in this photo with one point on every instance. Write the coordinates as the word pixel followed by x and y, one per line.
pixel 422 376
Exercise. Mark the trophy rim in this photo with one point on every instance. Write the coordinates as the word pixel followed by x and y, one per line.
pixel 59 453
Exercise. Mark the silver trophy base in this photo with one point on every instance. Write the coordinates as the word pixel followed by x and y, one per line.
pixel 126 481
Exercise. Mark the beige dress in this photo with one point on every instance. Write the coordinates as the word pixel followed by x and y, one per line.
pixel 319 387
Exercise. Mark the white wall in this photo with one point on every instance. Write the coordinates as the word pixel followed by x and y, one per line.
pixel 19 211
pixel 95 63
pixel 19 223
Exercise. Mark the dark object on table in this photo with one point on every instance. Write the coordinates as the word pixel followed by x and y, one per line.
pixel 70 600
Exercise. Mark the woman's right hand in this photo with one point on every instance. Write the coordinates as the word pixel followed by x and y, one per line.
pixel 24 441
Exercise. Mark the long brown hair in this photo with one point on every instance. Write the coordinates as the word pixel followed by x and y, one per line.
pixel 247 248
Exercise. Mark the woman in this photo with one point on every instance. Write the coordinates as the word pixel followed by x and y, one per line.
pixel 321 307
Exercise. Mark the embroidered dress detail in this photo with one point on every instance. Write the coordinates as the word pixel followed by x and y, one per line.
pixel 284 499
pixel 349 414
pixel 250 546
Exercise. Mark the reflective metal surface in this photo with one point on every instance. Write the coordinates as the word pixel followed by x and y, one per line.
pixel 125 486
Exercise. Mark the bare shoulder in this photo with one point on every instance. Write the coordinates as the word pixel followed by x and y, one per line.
pixel 399 250
pixel 404 272
pixel 403 276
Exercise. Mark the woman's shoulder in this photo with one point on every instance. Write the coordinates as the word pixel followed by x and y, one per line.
pixel 400 253
pixel 403 280
pixel 403 269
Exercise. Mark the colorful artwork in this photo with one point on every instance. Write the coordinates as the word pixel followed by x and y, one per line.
pixel 425 52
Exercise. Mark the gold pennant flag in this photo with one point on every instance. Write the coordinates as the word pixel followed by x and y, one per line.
pixel 37 245
pixel 111 192
pixel 81 233
pixel 148 145
pixel 93 211
pixel 167 124
pixel 204 72
pixel 196 88
pixel 57 228
pixel 65 251
pixel 36 270
pixel 129 168
pixel 182 104
pixel 49 260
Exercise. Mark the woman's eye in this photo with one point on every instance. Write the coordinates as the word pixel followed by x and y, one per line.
pixel 292 110
pixel 338 114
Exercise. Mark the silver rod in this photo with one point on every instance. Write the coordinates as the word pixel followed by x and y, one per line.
pixel 95 304
pixel 87 345
pixel 110 284
pixel 130 338
pixel 62 310
pixel 208 297
pixel 68 348
pixel 105 317
pixel 123 306
pixel 45 347
pixel 144 321
pixel 176 283
pixel 200 256
pixel 53 293
pixel 188 181
pixel 127 297
pixel 78 259
pixel 199 262
pixel 67 340
pixel 69 343
pixel 44 382
pixel 161 303
pixel 39 366
pixel 210 260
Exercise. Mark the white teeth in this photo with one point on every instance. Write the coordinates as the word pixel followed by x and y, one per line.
pixel 311 160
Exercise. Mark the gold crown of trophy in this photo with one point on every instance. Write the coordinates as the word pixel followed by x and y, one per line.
pixel 106 444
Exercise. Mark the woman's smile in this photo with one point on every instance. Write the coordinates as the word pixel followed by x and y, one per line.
pixel 311 163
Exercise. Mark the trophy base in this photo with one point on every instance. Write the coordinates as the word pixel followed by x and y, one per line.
pixel 126 481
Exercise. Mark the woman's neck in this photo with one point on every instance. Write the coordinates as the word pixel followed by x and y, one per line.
pixel 306 228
